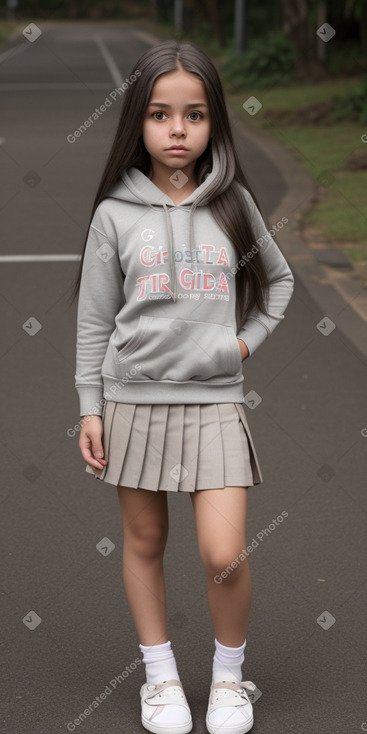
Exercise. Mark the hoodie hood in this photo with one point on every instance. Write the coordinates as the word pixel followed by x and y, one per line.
pixel 135 187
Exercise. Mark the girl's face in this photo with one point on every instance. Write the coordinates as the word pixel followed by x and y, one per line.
pixel 177 114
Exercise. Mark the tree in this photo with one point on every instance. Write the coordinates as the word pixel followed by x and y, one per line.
pixel 358 9
pixel 214 17
pixel 300 21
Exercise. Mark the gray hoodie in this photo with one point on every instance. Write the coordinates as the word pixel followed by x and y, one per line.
pixel 156 318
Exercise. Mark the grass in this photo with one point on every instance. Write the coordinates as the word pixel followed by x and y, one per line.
pixel 302 94
pixel 7 27
pixel 341 213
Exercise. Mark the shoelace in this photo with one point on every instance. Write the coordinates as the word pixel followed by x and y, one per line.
pixel 238 687
pixel 246 684
pixel 159 687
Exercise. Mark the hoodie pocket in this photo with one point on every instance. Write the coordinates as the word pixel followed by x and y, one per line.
pixel 180 350
pixel 120 355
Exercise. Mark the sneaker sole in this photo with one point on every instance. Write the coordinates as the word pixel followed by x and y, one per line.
pixel 162 729
pixel 237 729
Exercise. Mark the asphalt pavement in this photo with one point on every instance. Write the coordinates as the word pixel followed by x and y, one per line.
pixel 68 642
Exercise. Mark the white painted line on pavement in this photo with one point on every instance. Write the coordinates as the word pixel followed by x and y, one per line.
pixel 110 62
pixel 38 258
pixel 13 51
pixel 56 87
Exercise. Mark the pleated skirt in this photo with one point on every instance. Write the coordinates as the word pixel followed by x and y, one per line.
pixel 177 448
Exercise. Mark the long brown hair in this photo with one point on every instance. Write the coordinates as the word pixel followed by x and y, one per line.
pixel 227 202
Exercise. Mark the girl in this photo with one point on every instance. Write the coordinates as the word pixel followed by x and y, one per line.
pixel 179 282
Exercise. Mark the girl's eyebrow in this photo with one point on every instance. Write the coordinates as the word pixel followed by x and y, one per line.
pixel 162 104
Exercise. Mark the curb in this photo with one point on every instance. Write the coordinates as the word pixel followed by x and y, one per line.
pixel 340 297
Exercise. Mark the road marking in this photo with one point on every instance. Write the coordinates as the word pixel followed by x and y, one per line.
pixel 47 87
pixel 13 51
pixel 110 62
pixel 38 258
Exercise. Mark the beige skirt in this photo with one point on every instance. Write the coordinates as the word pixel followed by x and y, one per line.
pixel 177 448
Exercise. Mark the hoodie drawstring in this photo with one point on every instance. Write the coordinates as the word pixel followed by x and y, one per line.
pixel 170 246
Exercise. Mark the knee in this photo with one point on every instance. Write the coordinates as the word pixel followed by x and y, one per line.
pixel 224 564
pixel 148 541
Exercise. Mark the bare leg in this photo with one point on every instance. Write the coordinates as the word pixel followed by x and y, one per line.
pixel 145 526
pixel 220 516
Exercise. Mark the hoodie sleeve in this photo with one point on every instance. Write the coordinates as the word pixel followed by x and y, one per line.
pixel 101 297
pixel 258 326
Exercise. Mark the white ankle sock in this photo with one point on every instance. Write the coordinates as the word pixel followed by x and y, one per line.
pixel 227 662
pixel 160 663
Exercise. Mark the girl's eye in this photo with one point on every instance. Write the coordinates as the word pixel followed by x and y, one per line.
pixel 196 113
pixel 163 113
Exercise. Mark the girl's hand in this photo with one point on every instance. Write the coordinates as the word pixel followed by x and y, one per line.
pixel 243 349
pixel 90 441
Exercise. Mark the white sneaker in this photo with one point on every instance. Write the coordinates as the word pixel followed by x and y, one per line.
pixel 233 709
pixel 162 704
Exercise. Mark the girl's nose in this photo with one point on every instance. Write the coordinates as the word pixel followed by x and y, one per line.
pixel 178 127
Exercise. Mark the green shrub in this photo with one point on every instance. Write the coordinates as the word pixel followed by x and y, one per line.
pixel 266 62
pixel 353 104
pixel 344 59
